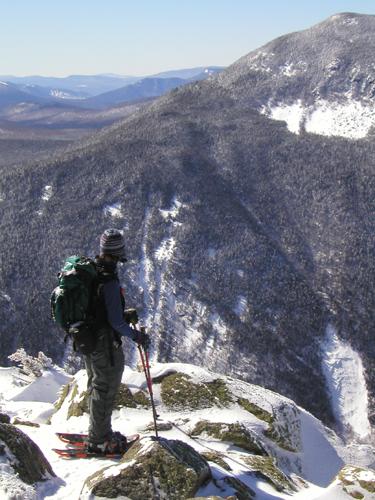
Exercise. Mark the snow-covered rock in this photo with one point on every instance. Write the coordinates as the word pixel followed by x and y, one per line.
pixel 21 463
pixel 254 441
pixel 151 469
pixel 351 482
pixel 357 482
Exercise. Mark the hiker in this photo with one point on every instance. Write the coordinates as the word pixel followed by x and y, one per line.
pixel 105 364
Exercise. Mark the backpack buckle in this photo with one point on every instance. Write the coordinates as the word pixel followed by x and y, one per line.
pixel 75 327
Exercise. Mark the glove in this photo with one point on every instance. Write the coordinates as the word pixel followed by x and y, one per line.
pixel 141 338
pixel 131 316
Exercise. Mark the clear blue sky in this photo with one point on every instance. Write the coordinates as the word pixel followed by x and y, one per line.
pixel 140 37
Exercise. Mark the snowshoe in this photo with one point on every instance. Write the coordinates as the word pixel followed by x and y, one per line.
pixel 78 440
pixel 114 448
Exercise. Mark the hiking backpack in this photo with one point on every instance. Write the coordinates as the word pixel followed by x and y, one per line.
pixel 72 302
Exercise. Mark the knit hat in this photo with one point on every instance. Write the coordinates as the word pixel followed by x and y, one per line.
pixel 112 243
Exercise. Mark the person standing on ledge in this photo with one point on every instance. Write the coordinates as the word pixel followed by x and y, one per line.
pixel 105 365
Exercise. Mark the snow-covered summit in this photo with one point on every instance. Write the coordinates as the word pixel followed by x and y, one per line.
pixel 321 80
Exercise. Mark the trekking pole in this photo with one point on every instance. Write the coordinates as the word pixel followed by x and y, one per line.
pixel 146 368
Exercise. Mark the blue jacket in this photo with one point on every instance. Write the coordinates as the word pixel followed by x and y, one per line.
pixel 114 308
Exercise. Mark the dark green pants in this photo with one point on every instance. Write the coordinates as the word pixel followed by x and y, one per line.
pixel 104 371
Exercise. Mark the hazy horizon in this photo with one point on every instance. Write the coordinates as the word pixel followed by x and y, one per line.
pixel 147 37
pixel 107 74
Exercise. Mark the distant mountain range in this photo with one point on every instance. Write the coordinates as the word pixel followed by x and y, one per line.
pixel 142 89
pixel 32 107
pixel 76 86
pixel 11 94
pixel 85 86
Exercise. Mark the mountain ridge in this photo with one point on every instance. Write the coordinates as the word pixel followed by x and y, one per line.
pixel 86 86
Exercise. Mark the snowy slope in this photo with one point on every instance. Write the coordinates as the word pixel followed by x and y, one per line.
pixel 318 457
pixel 351 118
pixel 12 381
pixel 346 381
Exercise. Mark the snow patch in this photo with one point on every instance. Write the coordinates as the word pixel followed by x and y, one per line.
pixel 287 70
pixel 241 307
pixel 5 84
pixel 47 193
pixel 60 94
pixel 293 69
pixel 350 119
pixel 12 380
pixel 191 316
pixel 350 21
pixel 292 114
pixel 11 487
pixel 114 210
pixel 159 292
pixel 146 271
pixel 344 373
pixel 165 250
pixel 22 107
pixel 173 211
pixel 44 389
pixel 5 296
pixel 219 326
pixel 334 65
pixel 261 62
